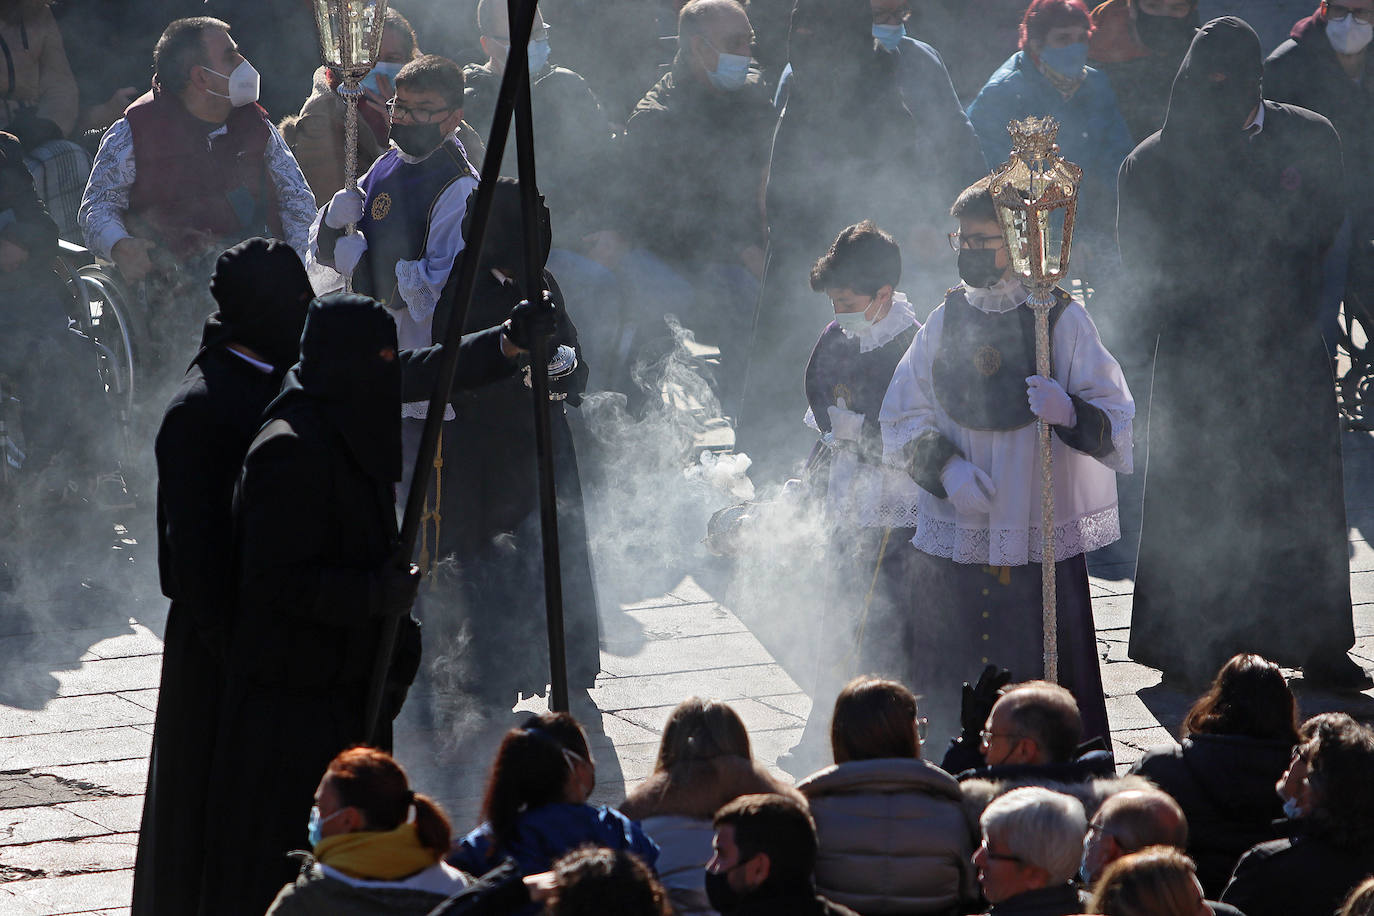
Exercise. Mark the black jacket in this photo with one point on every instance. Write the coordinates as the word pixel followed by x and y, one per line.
pixel 807 903
pixel 1048 901
pixel 1225 786
pixel 1303 876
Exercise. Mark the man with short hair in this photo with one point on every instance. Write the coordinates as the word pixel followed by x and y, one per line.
pixel 763 854
pixel 1128 822
pixel 1032 842
pixel 1035 723
pixel 193 167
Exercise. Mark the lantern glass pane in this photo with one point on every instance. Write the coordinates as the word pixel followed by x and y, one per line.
pixel 350 31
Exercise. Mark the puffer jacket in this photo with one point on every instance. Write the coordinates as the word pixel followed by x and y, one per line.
pixel 324 892
pixel 894 837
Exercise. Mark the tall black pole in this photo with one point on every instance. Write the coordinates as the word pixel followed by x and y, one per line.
pixel 457 298
pixel 533 282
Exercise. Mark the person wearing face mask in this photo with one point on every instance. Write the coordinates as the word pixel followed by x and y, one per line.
pixel 694 154
pixel 1139 45
pixel 408 209
pixel 193 167
pixel 316 135
pixel 960 416
pixel 1323 67
pixel 1050 76
pixel 1243 527
pixel 376 846
pixel 869 508
pixel 763 856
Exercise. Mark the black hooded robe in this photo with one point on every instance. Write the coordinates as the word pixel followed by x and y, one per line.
pixel 1244 544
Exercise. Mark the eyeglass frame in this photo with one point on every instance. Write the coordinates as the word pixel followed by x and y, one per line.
pixel 956 241
pixel 1361 15
pixel 896 16
pixel 412 114
pixel 986 735
pixel 999 856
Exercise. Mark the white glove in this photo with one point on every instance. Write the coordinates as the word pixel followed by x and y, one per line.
pixel 348 250
pixel 345 208
pixel 1049 402
pixel 845 423
pixel 968 487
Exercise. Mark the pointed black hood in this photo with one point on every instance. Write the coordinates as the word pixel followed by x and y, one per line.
pixel 1217 86
pixel 262 291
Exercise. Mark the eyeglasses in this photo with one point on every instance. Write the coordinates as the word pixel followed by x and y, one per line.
pixel 418 115
pixel 986 736
pixel 922 729
pixel 1340 12
pixel 998 856
pixel 977 242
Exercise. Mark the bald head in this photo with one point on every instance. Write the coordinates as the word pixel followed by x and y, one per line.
pixel 1128 822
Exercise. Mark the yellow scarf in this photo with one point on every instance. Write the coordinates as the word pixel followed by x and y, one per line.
pixel 376 855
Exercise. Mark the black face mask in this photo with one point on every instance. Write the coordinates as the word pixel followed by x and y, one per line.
pixel 418 140
pixel 723 897
pixel 1164 34
pixel 978 267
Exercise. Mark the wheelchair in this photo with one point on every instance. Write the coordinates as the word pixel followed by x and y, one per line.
pixel 1355 379
pixel 104 329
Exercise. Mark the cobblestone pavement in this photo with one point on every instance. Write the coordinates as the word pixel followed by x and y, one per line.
pixel 79 664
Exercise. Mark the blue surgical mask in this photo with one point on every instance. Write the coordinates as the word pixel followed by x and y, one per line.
pixel 852 322
pixel 732 70
pixel 1068 61
pixel 1292 809
pixel 314 830
pixel 539 54
pixel 386 68
pixel 890 36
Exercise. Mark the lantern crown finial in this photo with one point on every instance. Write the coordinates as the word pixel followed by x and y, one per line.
pixel 1033 138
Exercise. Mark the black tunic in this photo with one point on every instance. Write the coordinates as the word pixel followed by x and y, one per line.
pixel 1244 520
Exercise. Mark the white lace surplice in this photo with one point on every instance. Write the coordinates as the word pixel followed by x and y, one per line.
pixel 1085 505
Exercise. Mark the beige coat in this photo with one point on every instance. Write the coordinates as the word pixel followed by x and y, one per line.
pixel 42 75
pixel 894 837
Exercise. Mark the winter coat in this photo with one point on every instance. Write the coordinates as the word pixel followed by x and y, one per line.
pixel 893 837
pixel 1089 784
pixel 39 100
pixel 800 904
pixel 325 892
pixel 1302 876
pixel 675 809
pixel 544 834
pixel 1092 133
pixel 1225 786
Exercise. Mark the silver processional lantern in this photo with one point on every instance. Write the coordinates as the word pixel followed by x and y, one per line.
pixel 350 39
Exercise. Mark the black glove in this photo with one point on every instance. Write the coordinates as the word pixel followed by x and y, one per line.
pixel 395 591
pixel 530 321
pixel 978 701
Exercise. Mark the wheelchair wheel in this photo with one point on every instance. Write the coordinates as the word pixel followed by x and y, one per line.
pixel 115 327
pixel 1355 384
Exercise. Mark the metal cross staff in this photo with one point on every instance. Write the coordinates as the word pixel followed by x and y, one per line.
pixel 1036 193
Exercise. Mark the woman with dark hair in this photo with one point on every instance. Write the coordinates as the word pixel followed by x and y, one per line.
pixel 891 827
pixel 378 846
pixel 704 761
pixel 536 808
pixel 1236 742
pixel 1332 851
pixel 1049 76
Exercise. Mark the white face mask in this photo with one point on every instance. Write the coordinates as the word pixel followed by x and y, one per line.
pixel 244 83
pixel 1348 35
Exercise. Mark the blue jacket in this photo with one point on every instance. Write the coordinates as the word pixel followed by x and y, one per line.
pixel 1092 132
pixel 546 833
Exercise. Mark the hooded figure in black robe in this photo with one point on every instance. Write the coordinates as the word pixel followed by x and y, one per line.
pixel 315 543
pixel 262 291
pixel 489 522
pixel 1224 216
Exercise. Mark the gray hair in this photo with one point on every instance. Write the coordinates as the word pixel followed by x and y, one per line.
pixel 1039 827
pixel 691 20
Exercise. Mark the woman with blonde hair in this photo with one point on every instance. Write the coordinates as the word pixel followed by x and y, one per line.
pixel 704 761
pixel 1157 881
pixel 1361 900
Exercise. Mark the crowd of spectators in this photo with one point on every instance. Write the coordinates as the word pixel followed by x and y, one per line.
pixel 1032 830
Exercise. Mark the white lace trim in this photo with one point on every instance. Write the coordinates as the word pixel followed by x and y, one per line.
pixel 1121 459
pixel 1015 546
pixel 419 297
pixel 900 317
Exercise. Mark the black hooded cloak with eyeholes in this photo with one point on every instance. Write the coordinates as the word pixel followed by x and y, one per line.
pixel 314 539
pixel 1244 545
pixel 262 292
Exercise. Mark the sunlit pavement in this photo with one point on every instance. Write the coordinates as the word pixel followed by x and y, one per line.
pixel 79 666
